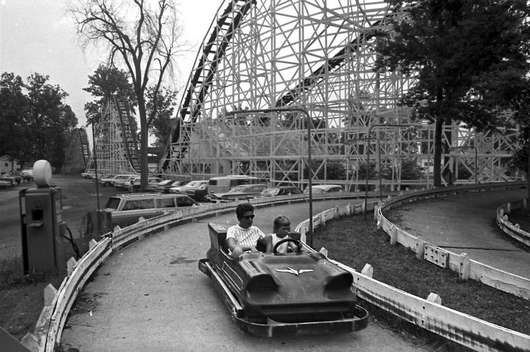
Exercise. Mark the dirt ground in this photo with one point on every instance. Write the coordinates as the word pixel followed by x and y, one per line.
pixel 21 297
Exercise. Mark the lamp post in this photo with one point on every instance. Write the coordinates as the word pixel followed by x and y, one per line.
pixel 368 136
pixel 92 122
pixel 310 172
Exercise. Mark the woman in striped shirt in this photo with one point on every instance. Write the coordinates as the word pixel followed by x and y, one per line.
pixel 244 236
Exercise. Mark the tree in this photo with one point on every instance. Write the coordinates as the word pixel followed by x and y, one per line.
pixel 34 121
pixel 13 110
pixel 160 108
pixel 458 51
pixel 142 38
pixel 106 82
pixel 48 120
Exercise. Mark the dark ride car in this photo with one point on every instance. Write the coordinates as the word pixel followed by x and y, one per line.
pixel 125 209
pixel 269 294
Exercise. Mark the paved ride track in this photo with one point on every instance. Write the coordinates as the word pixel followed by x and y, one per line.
pixel 466 223
pixel 151 297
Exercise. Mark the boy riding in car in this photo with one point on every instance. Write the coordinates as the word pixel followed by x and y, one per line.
pixel 281 231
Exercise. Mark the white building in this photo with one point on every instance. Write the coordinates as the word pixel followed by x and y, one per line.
pixel 8 164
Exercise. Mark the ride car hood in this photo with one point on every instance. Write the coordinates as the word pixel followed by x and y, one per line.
pixel 294 280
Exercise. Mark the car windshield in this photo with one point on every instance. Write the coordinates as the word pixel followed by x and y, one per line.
pixel 165 182
pixel 194 183
pixel 112 203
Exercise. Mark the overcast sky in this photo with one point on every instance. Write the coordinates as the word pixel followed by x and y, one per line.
pixel 38 36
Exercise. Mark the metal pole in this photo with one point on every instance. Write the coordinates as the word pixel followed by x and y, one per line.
pixel 379 169
pixel 367 149
pixel 476 165
pixel 95 166
pixel 310 171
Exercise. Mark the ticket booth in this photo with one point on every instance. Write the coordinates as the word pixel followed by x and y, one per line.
pixel 42 224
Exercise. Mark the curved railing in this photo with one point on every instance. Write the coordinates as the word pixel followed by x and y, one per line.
pixel 461 263
pixel 429 314
pixel 509 228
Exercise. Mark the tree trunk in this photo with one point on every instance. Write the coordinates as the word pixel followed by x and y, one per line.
pixel 438 152
pixel 144 167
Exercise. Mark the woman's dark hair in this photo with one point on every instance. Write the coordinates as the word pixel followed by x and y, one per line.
pixel 243 208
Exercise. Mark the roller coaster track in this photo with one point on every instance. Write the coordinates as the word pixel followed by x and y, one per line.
pixel 222 33
pixel 336 61
pixel 129 138
pixel 204 70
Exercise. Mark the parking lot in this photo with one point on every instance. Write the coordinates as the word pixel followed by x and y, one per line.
pixel 78 195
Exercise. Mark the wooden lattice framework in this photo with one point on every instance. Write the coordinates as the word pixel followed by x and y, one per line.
pixel 317 54
pixel 115 142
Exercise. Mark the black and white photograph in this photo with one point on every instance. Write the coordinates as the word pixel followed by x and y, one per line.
pixel 265 175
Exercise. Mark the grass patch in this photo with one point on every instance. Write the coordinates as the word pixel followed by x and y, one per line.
pixel 21 296
pixel 355 241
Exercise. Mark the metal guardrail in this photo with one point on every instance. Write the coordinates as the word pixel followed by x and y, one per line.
pixel 509 228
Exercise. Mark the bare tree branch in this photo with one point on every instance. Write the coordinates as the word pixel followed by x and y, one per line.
pixel 141 39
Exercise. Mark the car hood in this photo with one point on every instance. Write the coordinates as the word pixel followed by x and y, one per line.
pixel 296 280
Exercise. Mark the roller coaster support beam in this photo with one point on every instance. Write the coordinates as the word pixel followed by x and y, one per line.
pixel 309 170
pixel 368 137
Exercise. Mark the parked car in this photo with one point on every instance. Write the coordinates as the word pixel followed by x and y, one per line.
pixel 5 183
pixel 222 184
pixel 125 209
pixel 27 174
pixel 152 182
pixel 280 191
pixel 123 181
pixel 242 192
pixel 106 180
pixel 318 189
pixel 13 180
pixel 163 186
pixel 87 174
pixel 196 189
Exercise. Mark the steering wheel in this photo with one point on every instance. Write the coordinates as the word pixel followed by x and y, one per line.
pixel 285 240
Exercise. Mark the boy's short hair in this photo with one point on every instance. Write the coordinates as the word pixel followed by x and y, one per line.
pixel 279 221
pixel 243 208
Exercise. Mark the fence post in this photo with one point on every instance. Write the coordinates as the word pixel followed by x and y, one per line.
pixel 420 248
pixel 434 298
pixel 393 235
pixel 368 270
pixel 464 266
